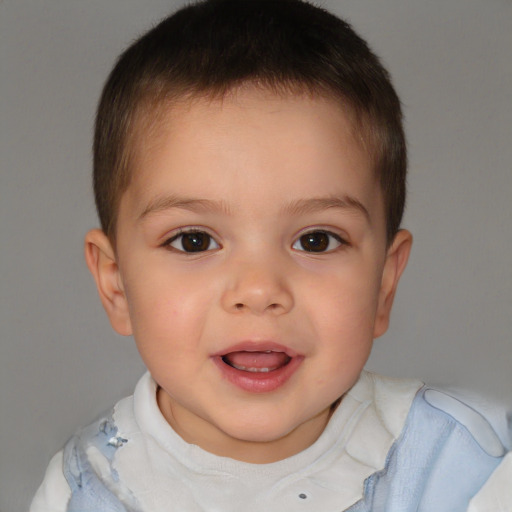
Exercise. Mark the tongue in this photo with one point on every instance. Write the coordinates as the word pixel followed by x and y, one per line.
pixel 256 360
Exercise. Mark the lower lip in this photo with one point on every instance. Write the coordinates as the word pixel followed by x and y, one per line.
pixel 258 382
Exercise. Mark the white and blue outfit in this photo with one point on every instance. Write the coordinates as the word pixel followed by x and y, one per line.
pixel 390 446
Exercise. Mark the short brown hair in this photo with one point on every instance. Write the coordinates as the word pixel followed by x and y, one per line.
pixel 213 46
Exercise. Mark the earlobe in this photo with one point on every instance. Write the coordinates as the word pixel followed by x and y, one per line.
pixel 396 261
pixel 101 260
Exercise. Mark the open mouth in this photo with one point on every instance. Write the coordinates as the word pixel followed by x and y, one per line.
pixel 256 361
pixel 258 367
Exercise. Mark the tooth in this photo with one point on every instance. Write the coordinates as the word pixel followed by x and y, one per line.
pixel 252 369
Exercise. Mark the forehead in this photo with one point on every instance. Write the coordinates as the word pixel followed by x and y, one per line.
pixel 249 143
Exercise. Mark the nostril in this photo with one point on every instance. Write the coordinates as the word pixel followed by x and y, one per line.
pixel 239 306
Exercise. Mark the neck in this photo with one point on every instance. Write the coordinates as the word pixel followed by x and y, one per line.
pixel 217 442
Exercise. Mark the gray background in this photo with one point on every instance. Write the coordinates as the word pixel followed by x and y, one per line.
pixel 61 364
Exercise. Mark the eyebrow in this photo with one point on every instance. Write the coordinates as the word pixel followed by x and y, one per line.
pixel 298 207
pixel 316 204
pixel 163 203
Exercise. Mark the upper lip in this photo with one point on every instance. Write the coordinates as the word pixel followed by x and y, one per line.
pixel 257 346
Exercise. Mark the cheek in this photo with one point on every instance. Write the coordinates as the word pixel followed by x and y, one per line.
pixel 167 308
pixel 346 302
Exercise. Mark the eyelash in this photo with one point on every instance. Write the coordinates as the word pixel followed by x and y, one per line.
pixel 207 238
pixel 323 237
pixel 326 237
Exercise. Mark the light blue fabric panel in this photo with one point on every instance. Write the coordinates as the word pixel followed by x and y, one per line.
pixel 88 492
pixel 435 465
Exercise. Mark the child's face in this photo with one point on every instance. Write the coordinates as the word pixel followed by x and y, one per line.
pixel 252 269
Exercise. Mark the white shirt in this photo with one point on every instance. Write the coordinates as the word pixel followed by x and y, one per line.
pixel 158 468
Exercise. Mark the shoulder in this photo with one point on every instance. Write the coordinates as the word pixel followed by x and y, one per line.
pixel 446 452
pixel 471 450
pixel 54 493
pixel 443 455
pixel 446 432
pixel 408 408
pixel 449 409
pixel 86 457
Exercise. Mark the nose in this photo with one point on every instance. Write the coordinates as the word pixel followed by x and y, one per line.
pixel 257 287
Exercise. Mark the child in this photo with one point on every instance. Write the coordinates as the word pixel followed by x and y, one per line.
pixel 249 172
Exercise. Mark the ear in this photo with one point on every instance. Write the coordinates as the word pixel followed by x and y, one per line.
pixel 396 261
pixel 101 260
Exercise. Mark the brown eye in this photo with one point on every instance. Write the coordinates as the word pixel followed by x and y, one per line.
pixel 318 241
pixel 193 241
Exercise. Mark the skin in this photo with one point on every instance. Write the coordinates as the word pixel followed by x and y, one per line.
pixel 255 171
